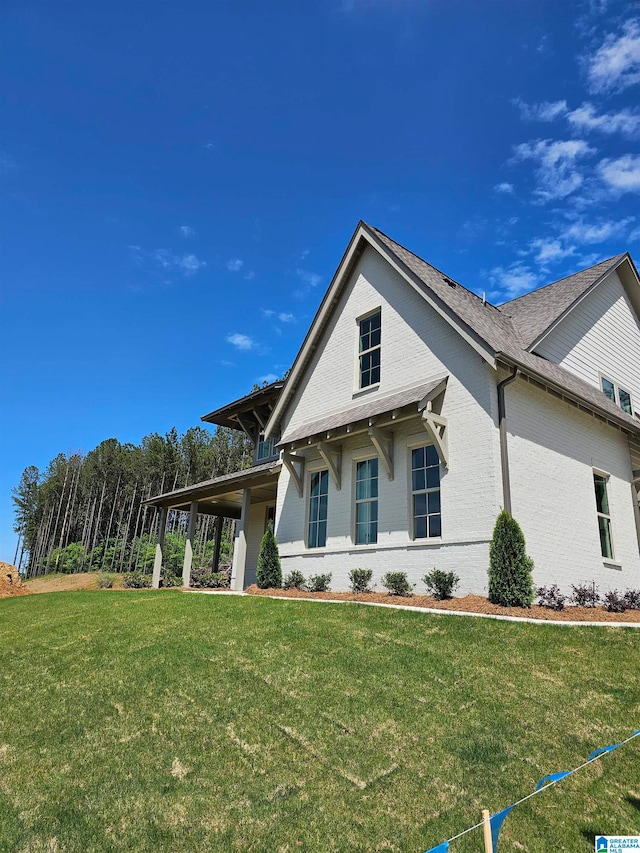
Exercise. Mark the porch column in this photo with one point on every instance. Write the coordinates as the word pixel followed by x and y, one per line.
pixel 240 545
pixel 157 563
pixel 188 545
pixel 216 545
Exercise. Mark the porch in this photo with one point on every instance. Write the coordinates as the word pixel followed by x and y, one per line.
pixel 247 496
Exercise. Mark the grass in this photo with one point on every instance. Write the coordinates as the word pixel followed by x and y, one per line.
pixel 146 721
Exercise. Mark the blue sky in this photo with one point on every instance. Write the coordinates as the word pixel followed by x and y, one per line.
pixel 180 180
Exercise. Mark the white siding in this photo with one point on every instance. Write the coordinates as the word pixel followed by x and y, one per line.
pixel 553 450
pixel 600 336
pixel 416 344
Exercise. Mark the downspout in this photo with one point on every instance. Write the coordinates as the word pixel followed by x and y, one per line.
pixel 504 454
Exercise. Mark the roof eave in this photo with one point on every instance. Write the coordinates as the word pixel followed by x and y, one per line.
pixel 560 389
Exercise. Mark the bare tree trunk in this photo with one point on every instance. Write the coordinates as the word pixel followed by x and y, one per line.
pixel 97 529
pixel 64 485
pixel 113 510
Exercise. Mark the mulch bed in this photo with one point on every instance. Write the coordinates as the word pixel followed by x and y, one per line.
pixel 468 604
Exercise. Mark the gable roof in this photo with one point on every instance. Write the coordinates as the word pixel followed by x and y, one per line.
pixel 534 313
pixel 501 333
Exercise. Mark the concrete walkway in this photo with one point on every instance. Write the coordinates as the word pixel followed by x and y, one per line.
pixel 435 610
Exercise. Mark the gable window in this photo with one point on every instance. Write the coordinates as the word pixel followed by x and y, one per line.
pixel 617 395
pixel 266 448
pixel 604 516
pixel 318 505
pixel 425 492
pixel 367 501
pixel 369 349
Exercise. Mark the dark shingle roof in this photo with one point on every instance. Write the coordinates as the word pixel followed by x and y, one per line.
pixel 512 327
pixel 484 319
pixel 533 313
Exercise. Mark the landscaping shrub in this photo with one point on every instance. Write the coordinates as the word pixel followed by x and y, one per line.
pixel 360 580
pixel 212 580
pixel 294 580
pixel 167 579
pixel 510 581
pixel 135 580
pixel 632 599
pixel 319 583
pixel 106 581
pixel 614 602
pixel 585 595
pixel 441 584
pixel 269 570
pixel 396 583
pixel 551 597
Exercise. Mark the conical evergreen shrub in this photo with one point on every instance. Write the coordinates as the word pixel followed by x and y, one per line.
pixel 510 581
pixel 269 570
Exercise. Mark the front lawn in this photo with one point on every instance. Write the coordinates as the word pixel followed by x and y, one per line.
pixel 161 721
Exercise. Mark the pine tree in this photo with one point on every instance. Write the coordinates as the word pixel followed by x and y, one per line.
pixel 510 581
pixel 269 570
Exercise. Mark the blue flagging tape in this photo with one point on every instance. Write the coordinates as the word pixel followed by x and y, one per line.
pixel 441 848
pixel 498 819
pixel 496 822
pixel 602 750
pixel 553 777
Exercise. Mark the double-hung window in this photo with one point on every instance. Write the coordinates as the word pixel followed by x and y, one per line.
pixel 369 349
pixel 318 505
pixel 604 516
pixel 367 501
pixel 617 394
pixel 266 448
pixel 425 492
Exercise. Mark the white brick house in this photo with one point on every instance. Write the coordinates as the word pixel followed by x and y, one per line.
pixel 415 411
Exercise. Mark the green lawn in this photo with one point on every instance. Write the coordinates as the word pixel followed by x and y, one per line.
pixel 162 721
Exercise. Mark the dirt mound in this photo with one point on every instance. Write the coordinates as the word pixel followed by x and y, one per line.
pixel 10 583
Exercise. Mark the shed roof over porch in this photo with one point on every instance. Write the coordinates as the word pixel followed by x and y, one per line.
pixel 222 496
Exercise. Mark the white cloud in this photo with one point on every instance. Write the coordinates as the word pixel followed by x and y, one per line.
pixel 186 264
pixel 621 175
pixel 557 173
pixel 249 275
pixel 269 378
pixel 235 264
pixel 187 231
pixel 505 188
pixel 549 251
pixel 616 64
pixel 282 316
pixel 546 111
pixel 585 117
pixel 241 342
pixel 595 232
pixel 634 236
pixel 514 280
pixel 311 279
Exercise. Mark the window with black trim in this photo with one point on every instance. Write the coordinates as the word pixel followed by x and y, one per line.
pixel 369 349
pixel 604 516
pixel 367 501
pixel 318 506
pixel 425 492
pixel 616 394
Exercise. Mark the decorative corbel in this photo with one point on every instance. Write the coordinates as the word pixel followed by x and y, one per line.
pixel 295 467
pixel 382 440
pixel 249 428
pixel 332 458
pixel 436 426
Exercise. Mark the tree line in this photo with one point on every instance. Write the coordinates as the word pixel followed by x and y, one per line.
pixel 86 513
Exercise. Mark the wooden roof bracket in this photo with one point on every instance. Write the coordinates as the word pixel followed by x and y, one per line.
pixel 295 466
pixel 248 428
pixel 437 427
pixel 332 458
pixel 382 440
